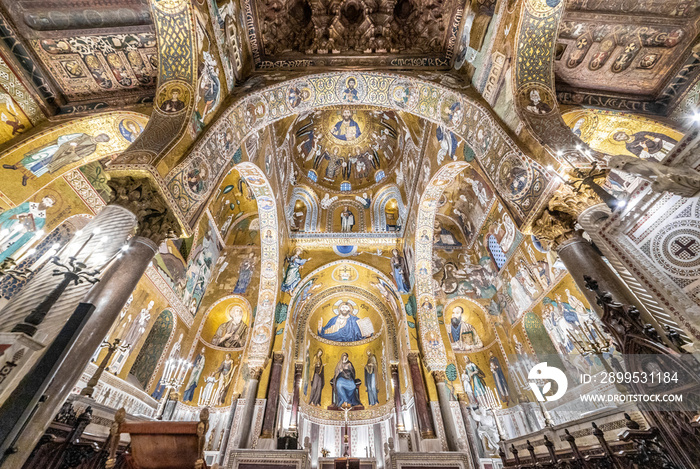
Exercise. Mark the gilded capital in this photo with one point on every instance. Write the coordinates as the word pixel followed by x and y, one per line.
pixel 556 224
pixel 255 372
pixel 574 203
pixel 439 376
pixel 552 228
pixel 141 197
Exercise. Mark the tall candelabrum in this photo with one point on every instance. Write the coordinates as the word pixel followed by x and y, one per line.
pixel 490 401
pixel 89 389
pixel 73 271
pixel 174 375
pixel 11 265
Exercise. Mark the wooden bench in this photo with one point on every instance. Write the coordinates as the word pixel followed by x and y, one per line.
pixel 161 445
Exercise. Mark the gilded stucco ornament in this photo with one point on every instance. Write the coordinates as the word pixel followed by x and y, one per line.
pixel 556 224
pixel 141 197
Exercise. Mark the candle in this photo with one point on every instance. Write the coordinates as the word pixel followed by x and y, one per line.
pixel 75 256
pixel 47 255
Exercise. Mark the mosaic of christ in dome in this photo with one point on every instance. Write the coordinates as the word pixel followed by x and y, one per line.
pixel 348 148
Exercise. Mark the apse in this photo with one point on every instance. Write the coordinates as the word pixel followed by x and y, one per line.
pixel 368 234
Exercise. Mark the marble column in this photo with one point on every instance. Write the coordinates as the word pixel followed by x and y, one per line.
pixel 581 258
pixel 109 295
pixel 555 228
pixel 227 429
pixel 298 370
pixel 398 406
pixel 250 395
pixel 451 434
pixel 425 419
pixel 472 440
pixel 273 392
pixel 100 239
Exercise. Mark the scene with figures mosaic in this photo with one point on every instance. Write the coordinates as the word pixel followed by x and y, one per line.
pixel 363 234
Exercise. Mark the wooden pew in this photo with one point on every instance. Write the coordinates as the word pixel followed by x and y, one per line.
pixel 162 445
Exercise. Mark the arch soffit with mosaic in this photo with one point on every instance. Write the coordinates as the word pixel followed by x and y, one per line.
pixel 262 332
pixel 534 73
pixel 339 290
pixel 422 98
pixel 433 348
pixel 177 72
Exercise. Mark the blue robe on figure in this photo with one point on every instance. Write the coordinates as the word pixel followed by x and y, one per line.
pixel 345 389
pixel 350 332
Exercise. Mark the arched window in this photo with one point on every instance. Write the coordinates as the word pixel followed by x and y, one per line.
pixel 153 347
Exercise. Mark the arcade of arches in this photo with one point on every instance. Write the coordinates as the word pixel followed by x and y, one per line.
pixel 406 234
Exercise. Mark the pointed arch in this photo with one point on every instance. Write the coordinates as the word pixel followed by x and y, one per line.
pixel 257 109
pixel 161 332
pixel 378 210
pixel 310 199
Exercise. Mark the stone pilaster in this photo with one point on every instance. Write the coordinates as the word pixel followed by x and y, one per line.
pixel 273 391
pixel 425 420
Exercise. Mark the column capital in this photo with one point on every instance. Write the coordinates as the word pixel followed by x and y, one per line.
pixel 553 228
pixel 298 368
pixel 439 376
pixel 394 367
pixel 413 356
pixel 255 372
pixel 573 202
pixel 277 357
pixel 155 220
pixel 556 223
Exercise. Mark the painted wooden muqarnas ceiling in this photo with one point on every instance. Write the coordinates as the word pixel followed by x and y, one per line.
pixel 389 33
pixel 636 55
pixel 84 53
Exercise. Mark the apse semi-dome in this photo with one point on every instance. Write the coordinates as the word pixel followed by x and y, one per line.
pixel 347 148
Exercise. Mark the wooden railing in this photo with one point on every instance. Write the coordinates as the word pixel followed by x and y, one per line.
pixel 65 445
pixel 634 448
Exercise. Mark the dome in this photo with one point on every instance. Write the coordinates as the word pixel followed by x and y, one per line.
pixel 346 149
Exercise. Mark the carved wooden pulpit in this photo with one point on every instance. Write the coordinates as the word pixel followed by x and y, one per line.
pixel 161 445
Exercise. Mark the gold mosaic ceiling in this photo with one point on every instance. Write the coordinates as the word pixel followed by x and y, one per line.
pixel 347 149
